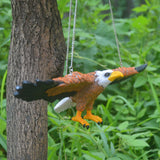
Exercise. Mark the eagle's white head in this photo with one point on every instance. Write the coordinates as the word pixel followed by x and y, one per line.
pixel 105 77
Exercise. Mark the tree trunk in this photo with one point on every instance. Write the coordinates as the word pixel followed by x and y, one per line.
pixel 37 51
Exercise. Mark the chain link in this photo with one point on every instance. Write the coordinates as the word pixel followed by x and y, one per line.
pixel 68 40
pixel 115 33
pixel 73 38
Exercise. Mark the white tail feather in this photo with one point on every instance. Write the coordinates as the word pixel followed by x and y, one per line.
pixel 64 104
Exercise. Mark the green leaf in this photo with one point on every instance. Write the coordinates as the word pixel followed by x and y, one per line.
pixel 123 125
pixel 3 89
pixel 114 158
pixel 52 151
pixel 6 41
pixel 159 154
pixel 132 141
pixel 128 103
pixel 157 140
pixel 50 140
pixel 112 148
pixel 156 81
pixel 52 148
pixel 86 136
pixel 103 41
pixel 130 118
pixel 90 155
pixel 137 143
pixel 89 52
pixel 83 33
pixel 101 97
pixel 105 142
pixel 142 113
pixel 3 142
pixel 123 28
pixel 152 68
pixel 155 95
pixel 140 23
pixel 3 125
pixel 123 156
pixel 140 81
pixel 142 8
pixel 156 47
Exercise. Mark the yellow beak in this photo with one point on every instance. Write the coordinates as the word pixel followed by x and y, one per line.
pixel 115 75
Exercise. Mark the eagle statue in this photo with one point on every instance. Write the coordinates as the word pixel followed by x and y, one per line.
pixel 75 89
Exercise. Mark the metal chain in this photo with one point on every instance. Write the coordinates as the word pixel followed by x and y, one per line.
pixel 68 39
pixel 73 39
pixel 115 33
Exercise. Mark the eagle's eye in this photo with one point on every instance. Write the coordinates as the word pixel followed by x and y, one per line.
pixel 107 74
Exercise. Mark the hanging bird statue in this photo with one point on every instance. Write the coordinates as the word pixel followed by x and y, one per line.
pixel 75 89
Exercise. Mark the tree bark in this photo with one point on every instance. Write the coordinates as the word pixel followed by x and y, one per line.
pixel 37 51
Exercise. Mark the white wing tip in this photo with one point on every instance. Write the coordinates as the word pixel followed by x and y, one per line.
pixel 64 104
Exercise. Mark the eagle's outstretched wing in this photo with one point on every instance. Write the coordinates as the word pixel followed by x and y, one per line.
pixel 57 88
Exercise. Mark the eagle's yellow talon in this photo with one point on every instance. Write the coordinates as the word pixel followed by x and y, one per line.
pixel 92 117
pixel 79 119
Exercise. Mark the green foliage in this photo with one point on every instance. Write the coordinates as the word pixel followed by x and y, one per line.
pixel 131 115
pixel 5 29
pixel 121 138
pixel 130 110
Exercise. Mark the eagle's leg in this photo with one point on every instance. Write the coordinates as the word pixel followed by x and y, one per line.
pixel 92 117
pixel 79 119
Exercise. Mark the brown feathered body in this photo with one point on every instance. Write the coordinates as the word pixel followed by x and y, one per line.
pixel 75 89
pixel 84 85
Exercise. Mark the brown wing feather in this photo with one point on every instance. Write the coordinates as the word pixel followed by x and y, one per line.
pixel 72 83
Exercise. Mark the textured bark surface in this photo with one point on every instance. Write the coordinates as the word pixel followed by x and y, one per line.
pixel 37 51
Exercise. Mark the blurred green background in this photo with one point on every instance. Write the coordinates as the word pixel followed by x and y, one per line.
pixel 130 109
